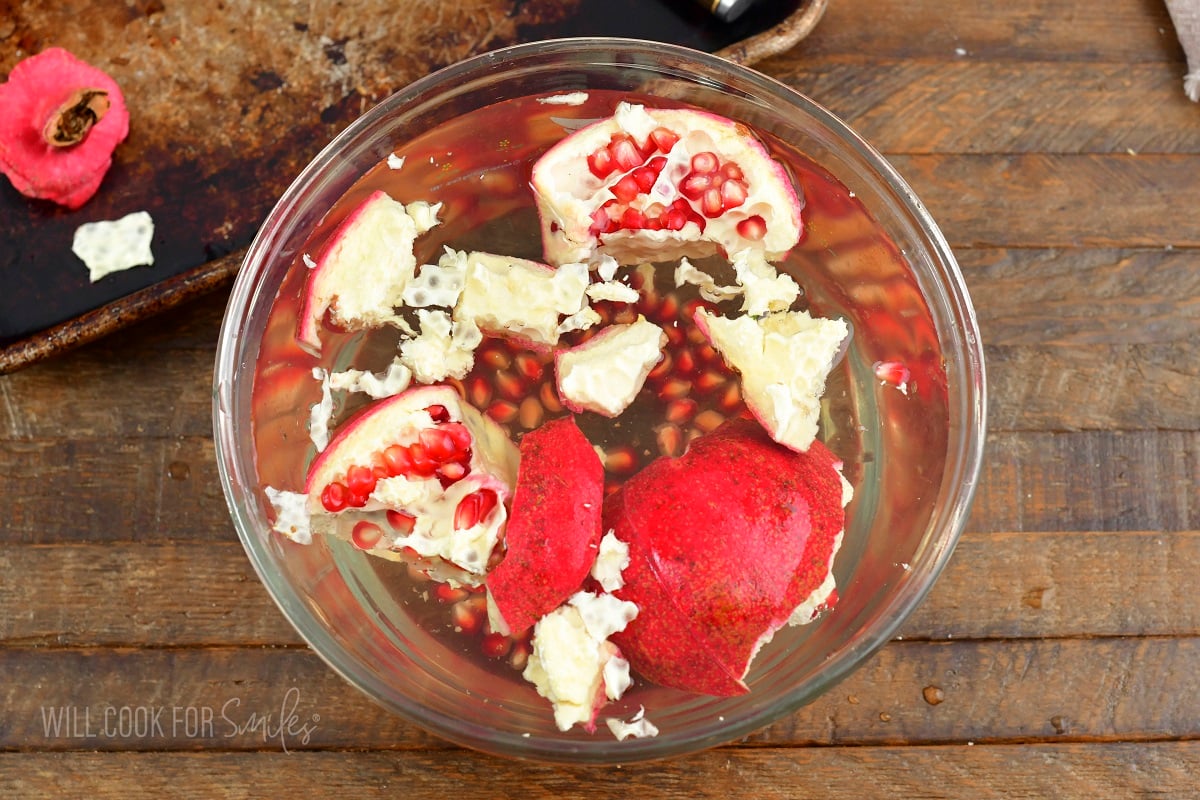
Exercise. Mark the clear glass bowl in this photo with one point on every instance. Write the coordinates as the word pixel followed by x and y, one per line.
pixel 913 455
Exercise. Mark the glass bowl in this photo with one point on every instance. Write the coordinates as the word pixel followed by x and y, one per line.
pixel 871 254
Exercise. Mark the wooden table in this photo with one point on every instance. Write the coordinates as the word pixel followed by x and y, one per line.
pixel 1058 656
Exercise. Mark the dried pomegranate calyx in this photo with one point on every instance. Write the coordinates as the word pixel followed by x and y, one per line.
pixel 73 120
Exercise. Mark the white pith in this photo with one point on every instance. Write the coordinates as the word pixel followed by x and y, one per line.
pixel 783 360
pixel 605 373
pixel 520 298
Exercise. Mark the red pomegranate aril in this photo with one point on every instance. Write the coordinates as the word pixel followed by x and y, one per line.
pixel 694 185
pixel 529 366
pixel 732 398
pixel 479 392
pixel 401 523
pixel 502 411
pixel 453 471
pixel 668 309
pixel 458 433
pixel 334 497
pixel 549 398
pixel 752 228
pixel 621 460
pixel 708 354
pixel 625 152
pixel 366 535
pixel 732 171
pixel 709 420
pixel 474 508
pixel 675 335
pixel 439 413
pixel 467 618
pixel 674 389
pixel 519 656
pixel 422 464
pixel 439 445
pixel 450 594
pixel 633 219
pixel 711 205
pixel 681 410
pixel 397 460
pixel 495 645
pixel 670 440
pixel 530 413
pixel 496 358
pixel 733 194
pixel 664 139
pixel 705 162
pixel 661 369
pixel 686 362
pixel 360 480
pixel 707 381
pixel 601 163
pixel 626 189
pixel 509 386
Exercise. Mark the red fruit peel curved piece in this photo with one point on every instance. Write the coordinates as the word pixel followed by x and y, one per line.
pixel 725 543
pixel 553 531
pixel 62 120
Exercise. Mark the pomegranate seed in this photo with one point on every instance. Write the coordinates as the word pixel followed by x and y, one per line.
pixel 674 389
pixel 601 163
pixel 529 415
pixel 468 615
pixel 357 499
pixel 396 459
pixel 549 398
pixel 681 410
pixel 696 336
pixel 894 373
pixel 732 397
pixel 675 220
pixel 495 645
pixel 752 228
pixel 439 445
pixel 733 194
pixel 458 433
pixel 621 460
pixel 663 139
pixel 626 189
pixel 360 480
pixel 670 440
pixel 709 420
pixel 668 309
pixel 633 219
pixel 529 366
pixel 402 523
pixel 509 386
pixel 496 358
pixel 644 177
pixel 661 369
pixel 422 464
pixel 449 594
pixel 366 535
pixel 711 205
pixel 479 392
pixel 732 171
pixel 474 508
pixel 452 471
pixel 705 162
pixel 519 656
pixel 708 353
pixel 675 334
pixel 334 497
pixel 694 185
pixel 624 152
pixel 439 413
pixel 502 411
pixel 707 381
pixel 686 362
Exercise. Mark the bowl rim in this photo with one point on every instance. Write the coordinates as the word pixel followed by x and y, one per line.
pixel 963 459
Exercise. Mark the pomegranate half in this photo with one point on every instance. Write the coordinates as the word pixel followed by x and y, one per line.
pixel 662 184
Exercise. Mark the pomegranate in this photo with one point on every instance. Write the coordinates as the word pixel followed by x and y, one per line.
pixel 725 543
pixel 606 372
pixel 361 275
pixel 661 184
pixel 62 120
pixel 783 359
pixel 554 527
pixel 418 475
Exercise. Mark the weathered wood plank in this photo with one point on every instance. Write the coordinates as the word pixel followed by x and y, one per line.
pixel 998 691
pixel 973 106
pixel 206 594
pixel 1123 31
pixel 1067 771
pixel 156 490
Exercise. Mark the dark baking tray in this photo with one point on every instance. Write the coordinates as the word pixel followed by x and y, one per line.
pixel 229 101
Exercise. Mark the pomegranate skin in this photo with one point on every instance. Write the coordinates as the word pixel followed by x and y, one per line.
pixel 725 542
pixel 553 531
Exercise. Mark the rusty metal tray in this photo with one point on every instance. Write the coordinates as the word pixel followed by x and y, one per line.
pixel 230 100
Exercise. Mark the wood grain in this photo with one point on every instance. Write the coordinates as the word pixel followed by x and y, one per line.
pixel 1037 584
pixel 1069 771
pixel 993 692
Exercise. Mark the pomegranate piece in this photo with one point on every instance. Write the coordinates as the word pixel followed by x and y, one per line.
pixel 553 529
pixel 364 269
pixel 783 359
pixel 62 120
pixel 605 373
pixel 419 473
pixel 662 184
pixel 725 543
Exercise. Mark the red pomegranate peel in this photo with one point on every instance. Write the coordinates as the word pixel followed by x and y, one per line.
pixel 554 528
pixel 725 542
pixel 62 120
